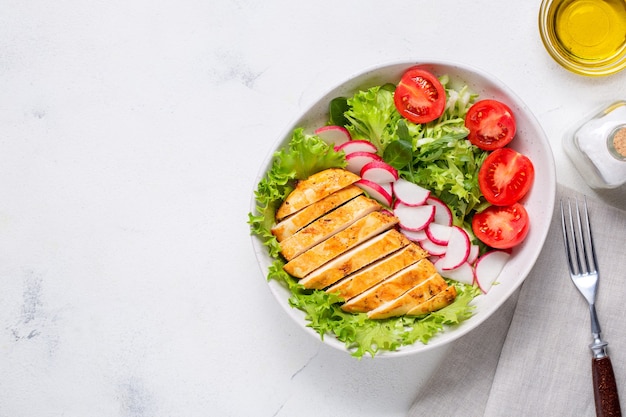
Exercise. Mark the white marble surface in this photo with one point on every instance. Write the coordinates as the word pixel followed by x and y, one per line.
pixel 130 136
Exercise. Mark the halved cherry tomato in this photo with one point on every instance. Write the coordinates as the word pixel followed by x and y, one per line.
pixel 419 96
pixel 491 124
pixel 505 176
pixel 501 227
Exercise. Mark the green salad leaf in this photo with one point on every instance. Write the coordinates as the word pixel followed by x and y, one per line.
pixel 304 155
pixel 372 116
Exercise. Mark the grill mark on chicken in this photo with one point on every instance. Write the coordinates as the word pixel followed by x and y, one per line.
pixel 366 278
pixel 392 287
pixel 358 232
pixel 297 221
pixel 356 258
pixel 314 189
pixel 324 227
pixel 417 301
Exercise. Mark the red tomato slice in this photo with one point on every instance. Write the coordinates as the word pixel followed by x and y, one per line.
pixel 501 227
pixel 505 176
pixel 491 124
pixel 419 96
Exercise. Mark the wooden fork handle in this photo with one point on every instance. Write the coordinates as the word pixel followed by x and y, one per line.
pixel 605 388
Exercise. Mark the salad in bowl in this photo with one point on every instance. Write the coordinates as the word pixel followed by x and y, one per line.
pixel 401 209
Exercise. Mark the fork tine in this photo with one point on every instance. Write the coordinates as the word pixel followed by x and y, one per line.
pixel 576 234
pixel 566 237
pixel 593 266
pixel 582 256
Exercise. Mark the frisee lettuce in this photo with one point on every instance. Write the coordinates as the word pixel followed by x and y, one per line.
pixel 304 155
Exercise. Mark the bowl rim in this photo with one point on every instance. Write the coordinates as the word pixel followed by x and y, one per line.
pixel 548 184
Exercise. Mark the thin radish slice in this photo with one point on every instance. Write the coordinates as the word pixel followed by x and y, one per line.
pixel 387 187
pixel 443 215
pixel 473 255
pixel 414 235
pixel 458 249
pixel 375 191
pixel 410 193
pixel 357 146
pixel 414 218
pixel 439 233
pixel 434 258
pixel 464 273
pixel 379 171
pixel 432 248
pixel 357 160
pixel 488 268
pixel 333 135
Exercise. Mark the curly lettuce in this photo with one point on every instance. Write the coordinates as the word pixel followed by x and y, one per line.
pixel 305 155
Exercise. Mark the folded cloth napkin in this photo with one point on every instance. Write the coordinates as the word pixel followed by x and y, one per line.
pixel 532 358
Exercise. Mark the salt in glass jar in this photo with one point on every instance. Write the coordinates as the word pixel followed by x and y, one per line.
pixel 598 147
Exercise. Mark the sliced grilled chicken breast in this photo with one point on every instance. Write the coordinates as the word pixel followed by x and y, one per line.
pixel 354 259
pixel 367 277
pixel 315 188
pixel 392 287
pixel 357 233
pixel 327 225
pixel 437 302
pixel 297 221
pixel 429 296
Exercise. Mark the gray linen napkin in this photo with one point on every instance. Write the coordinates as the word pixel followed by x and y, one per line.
pixel 532 358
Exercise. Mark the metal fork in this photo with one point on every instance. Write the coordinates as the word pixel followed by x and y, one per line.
pixel 583 267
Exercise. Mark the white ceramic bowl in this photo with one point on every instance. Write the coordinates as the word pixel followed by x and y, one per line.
pixel 539 202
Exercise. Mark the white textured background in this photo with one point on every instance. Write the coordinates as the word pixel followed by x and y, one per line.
pixel 130 136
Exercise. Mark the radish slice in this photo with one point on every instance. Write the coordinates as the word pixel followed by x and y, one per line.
pixel 473 255
pixel 415 235
pixel 357 146
pixel 374 190
pixel 379 171
pixel 458 249
pixel 387 187
pixel 434 258
pixel 333 135
pixel 464 273
pixel 488 268
pixel 433 249
pixel 439 233
pixel 414 218
pixel 357 160
pixel 443 215
pixel 410 193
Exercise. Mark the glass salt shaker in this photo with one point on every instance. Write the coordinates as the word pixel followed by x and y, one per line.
pixel 598 147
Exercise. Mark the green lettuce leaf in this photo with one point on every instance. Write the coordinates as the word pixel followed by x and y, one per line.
pixel 372 116
pixel 305 155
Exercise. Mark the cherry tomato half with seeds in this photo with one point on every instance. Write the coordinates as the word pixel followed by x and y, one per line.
pixel 491 124
pixel 419 96
pixel 501 227
pixel 505 176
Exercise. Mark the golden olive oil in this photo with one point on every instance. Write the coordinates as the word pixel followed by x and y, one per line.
pixel 591 29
